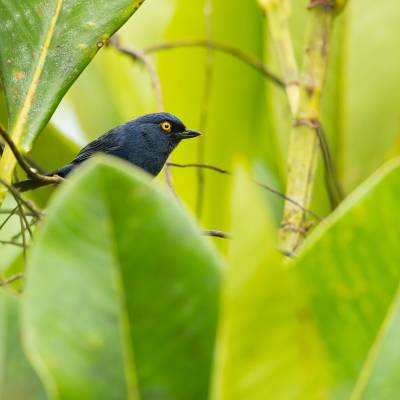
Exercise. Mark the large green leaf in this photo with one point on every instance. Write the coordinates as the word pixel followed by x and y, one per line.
pixel 44 46
pixel 130 294
pixel 18 380
pixel 327 326
pixel 265 332
pixel 351 273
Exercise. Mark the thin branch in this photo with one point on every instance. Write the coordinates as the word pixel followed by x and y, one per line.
pixel 204 166
pixel 11 242
pixel 139 55
pixel 33 164
pixel 222 47
pixel 23 219
pixel 27 228
pixel 9 210
pixel 266 187
pixel 335 191
pixel 30 206
pixel 32 174
pixel 217 234
pixel 9 216
pixel 169 180
pixel 27 224
pixel 21 222
pixel 11 279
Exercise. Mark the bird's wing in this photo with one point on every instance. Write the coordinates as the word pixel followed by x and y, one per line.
pixel 108 143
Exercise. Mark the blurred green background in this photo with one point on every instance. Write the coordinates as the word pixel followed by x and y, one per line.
pixel 247 117
pixel 324 326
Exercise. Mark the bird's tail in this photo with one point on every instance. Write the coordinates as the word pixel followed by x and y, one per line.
pixel 30 184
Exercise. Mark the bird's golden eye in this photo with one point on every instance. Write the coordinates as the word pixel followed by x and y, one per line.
pixel 166 126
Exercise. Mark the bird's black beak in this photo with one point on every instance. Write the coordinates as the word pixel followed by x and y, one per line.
pixel 188 134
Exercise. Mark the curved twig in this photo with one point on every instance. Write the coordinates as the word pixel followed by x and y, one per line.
pixel 31 173
pixel 222 47
pixel 217 234
pixel 140 55
pixel 11 279
pixel 262 185
pixel 30 206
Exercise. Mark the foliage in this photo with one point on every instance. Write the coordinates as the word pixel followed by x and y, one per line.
pixel 121 294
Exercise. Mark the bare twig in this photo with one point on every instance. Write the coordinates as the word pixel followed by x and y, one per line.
pixel 11 279
pixel 32 174
pixel 335 191
pixel 21 222
pixel 9 216
pixel 266 187
pixel 27 224
pixel 12 242
pixel 169 180
pixel 204 166
pixel 23 219
pixel 217 234
pixel 139 55
pixel 27 228
pixel 9 210
pixel 30 206
pixel 222 47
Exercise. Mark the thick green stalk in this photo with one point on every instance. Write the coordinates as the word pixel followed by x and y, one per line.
pixel 303 147
pixel 278 20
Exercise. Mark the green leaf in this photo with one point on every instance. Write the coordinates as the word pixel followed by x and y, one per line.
pixel 351 275
pixel 130 295
pixel 262 339
pixel 44 46
pixel 327 326
pixel 18 380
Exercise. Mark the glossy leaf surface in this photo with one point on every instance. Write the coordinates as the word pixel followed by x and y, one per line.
pixel 44 46
pixel 142 290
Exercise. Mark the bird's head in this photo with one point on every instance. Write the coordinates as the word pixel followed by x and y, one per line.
pixel 151 139
pixel 163 129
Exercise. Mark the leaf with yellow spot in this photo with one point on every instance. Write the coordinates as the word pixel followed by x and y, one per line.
pixel 44 46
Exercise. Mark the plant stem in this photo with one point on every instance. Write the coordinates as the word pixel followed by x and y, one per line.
pixel 303 147
pixel 278 18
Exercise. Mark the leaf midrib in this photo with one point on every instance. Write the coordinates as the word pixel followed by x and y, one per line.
pixel 129 363
pixel 8 160
pixel 17 131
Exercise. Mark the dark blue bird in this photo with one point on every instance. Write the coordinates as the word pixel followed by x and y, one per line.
pixel 146 142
